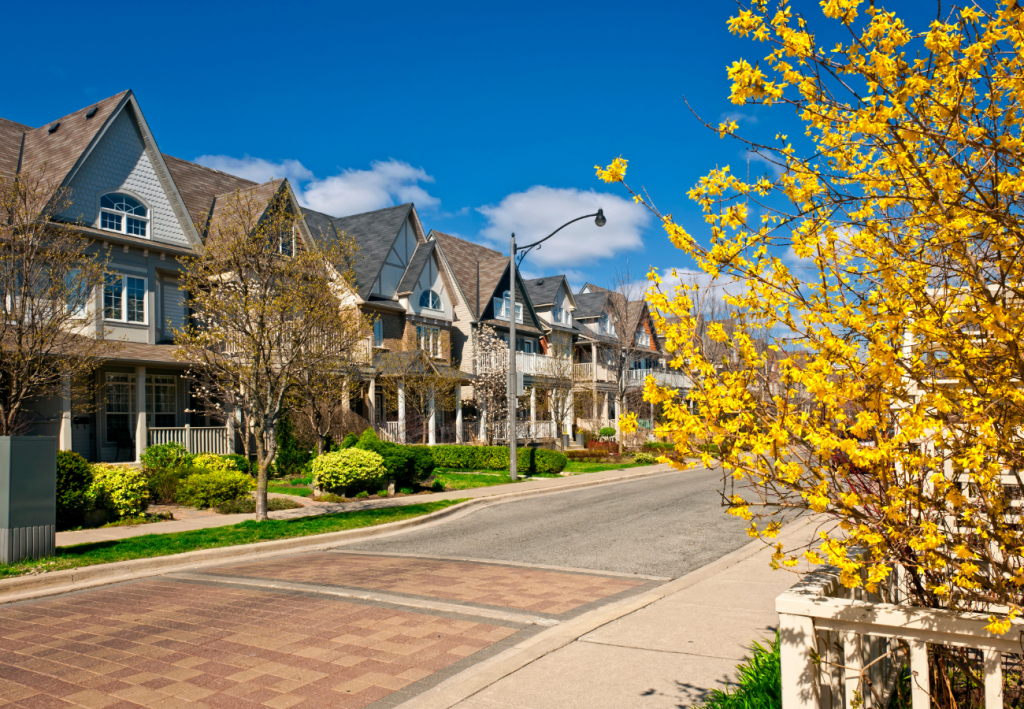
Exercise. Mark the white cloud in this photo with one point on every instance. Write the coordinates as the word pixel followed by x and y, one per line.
pixel 738 117
pixel 385 184
pixel 533 214
pixel 257 169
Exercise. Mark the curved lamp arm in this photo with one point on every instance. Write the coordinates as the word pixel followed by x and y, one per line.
pixel 599 219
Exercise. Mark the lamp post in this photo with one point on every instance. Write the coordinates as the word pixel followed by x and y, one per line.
pixel 511 389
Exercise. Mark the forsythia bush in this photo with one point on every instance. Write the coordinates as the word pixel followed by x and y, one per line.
pixel 122 489
pixel 211 488
pixel 214 463
pixel 348 469
pixel 166 456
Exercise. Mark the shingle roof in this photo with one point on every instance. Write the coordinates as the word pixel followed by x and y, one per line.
pixel 492 272
pixel 199 185
pixel 542 291
pixel 462 256
pixel 374 233
pixel 590 305
pixel 61 150
pixel 415 268
pixel 11 134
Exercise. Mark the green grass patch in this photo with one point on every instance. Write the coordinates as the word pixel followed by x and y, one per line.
pixel 151 545
pixel 759 685
pixel 574 467
pixel 465 481
pixel 290 490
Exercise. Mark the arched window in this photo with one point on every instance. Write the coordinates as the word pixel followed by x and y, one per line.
pixel 124 214
pixel 430 299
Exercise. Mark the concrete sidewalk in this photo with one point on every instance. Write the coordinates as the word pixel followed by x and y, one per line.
pixel 311 508
pixel 666 649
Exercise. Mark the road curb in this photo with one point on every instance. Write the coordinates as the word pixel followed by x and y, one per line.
pixel 480 676
pixel 22 588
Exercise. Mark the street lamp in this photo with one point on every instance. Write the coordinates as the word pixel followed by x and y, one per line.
pixel 511 390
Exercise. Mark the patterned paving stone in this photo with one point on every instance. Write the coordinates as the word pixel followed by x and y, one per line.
pixel 537 590
pixel 162 644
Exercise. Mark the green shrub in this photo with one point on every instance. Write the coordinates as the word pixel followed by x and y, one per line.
pixel 163 483
pixel 349 441
pixel 121 489
pixel 74 480
pixel 606 431
pixel 758 685
pixel 437 486
pixel 362 495
pixel 423 462
pixel 368 437
pixel 407 491
pixel 404 464
pixel 291 454
pixel 353 468
pixel 382 493
pixel 208 489
pixel 547 461
pixel 238 462
pixel 247 505
pixel 659 446
pixel 528 460
pixel 644 459
pixel 214 463
pixel 166 456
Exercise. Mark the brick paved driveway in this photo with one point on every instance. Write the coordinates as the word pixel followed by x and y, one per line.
pixel 209 642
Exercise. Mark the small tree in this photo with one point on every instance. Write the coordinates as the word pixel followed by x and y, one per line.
pixel 50 341
pixel 555 382
pixel 262 310
pixel 490 388
pixel 429 387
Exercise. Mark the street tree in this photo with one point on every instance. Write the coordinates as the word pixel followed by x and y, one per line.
pixel 421 384
pixel 263 307
pixel 555 382
pixel 904 204
pixel 51 333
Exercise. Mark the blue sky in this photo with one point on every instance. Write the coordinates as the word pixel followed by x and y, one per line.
pixel 489 116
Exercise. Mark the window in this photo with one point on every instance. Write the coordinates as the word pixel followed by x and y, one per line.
pixel 124 214
pixel 378 333
pixel 124 298
pixel 501 308
pixel 161 397
pixel 78 294
pixel 524 344
pixel 561 315
pixel 605 326
pixel 430 299
pixel 286 245
pixel 120 398
pixel 429 339
pixel 643 338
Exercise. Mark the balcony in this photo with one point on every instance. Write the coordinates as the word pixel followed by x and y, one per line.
pixel 526 362
pixel 664 377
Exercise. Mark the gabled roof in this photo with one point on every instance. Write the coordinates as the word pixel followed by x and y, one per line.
pixel 374 233
pixel 543 290
pixel 260 194
pixel 11 135
pixel 462 257
pixel 63 149
pixel 415 267
pixel 199 185
pixel 591 305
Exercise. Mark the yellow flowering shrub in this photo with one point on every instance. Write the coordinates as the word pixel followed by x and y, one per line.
pixel 875 373
pixel 121 489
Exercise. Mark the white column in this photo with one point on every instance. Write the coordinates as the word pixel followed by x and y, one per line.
pixel 229 422
pixel 533 412
pixel 401 411
pixel 371 402
pixel 483 422
pixel 140 412
pixel 569 413
pixel 458 414
pixel 604 409
pixel 432 426
pixel 64 436
pixel 593 361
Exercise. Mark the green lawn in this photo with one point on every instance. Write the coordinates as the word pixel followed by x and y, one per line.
pixel 574 467
pixel 465 481
pixel 150 545
pixel 290 490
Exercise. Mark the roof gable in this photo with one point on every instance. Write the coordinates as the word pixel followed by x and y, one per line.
pixel 199 186
pixel 496 287
pixel 11 136
pixel 376 234
pixel 462 259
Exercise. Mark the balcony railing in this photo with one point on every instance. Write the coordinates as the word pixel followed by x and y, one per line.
pixel 526 362
pixel 583 371
pixel 525 430
pixel 196 439
pixel 664 377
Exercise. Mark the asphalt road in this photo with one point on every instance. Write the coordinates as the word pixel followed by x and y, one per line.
pixel 663 526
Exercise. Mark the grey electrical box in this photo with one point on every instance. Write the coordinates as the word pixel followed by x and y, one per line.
pixel 28 497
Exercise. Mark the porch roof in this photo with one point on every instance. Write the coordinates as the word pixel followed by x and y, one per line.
pixel 143 353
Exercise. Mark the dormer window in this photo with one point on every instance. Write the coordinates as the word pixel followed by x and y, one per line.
pixel 561 315
pixel 124 214
pixel 606 326
pixel 643 338
pixel 430 300
pixel 501 308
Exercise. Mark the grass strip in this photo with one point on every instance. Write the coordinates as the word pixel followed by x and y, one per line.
pixel 248 532
pixel 290 490
pixel 579 467
pixel 759 685
pixel 466 481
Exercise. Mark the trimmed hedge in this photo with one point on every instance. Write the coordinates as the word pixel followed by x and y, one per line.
pixel 166 456
pixel 529 460
pixel 644 459
pixel 349 469
pixel 74 479
pixel 406 464
pixel 211 488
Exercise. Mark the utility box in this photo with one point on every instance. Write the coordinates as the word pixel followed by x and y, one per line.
pixel 28 497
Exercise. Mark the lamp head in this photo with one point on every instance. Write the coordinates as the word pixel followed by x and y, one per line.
pixel 599 219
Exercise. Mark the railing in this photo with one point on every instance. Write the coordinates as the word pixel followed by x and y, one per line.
pixel 526 362
pixel 196 439
pixel 524 431
pixel 583 371
pixel 839 650
pixel 388 431
pixel 664 377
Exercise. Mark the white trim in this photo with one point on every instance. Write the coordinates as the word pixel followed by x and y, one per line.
pixel 124 299
pixel 147 220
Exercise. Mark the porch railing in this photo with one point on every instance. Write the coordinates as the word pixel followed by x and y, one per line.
pixel 524 431
pixel 583 371
pixel 388 431
pixel 526 362
pixel 196 439
pixel 841 648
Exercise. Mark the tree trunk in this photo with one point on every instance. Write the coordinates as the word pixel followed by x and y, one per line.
pixel 320 440
pixel 618 419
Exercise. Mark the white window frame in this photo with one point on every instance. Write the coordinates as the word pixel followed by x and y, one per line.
pixel 123 297
pixel 162 380
pixel 440 303
pixel 429 339
pixel 118 379
pixel 281 242
pixel 125 216
pixel 643 338
pixel 501 308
